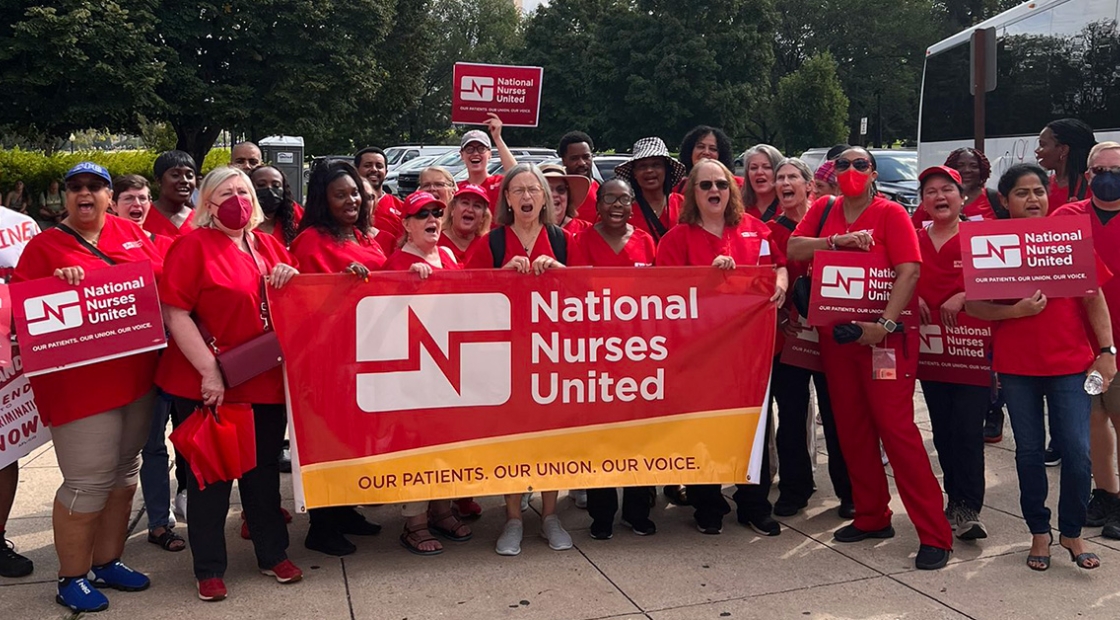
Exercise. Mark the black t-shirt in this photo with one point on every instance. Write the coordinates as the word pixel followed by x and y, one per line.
pixel 1106 216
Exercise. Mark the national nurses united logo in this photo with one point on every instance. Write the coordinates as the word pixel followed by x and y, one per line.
pixel 476 88
pixel 997 252
pixel 843 282
pixel 433 351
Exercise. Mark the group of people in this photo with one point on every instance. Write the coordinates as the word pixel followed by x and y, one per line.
pixel 215 245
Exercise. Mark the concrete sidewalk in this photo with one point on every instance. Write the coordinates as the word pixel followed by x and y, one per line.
pixel 677 574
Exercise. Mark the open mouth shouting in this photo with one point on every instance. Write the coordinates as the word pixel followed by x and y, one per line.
pixel 86 207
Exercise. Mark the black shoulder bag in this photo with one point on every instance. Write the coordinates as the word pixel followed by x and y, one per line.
pixel 802 288
pixel 556 240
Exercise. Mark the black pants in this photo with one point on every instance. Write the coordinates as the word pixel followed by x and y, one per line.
pixel 957 413
pixel 260 498
pixel 791 390
pixel 602 504
pixel 750 499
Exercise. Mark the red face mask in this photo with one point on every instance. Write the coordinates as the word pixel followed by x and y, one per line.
pixel 853 182
pixel 234 212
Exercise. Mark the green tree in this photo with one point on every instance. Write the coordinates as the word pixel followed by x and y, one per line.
pixel 811 106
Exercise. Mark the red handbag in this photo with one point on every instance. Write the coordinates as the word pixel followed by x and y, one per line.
pixel 220 444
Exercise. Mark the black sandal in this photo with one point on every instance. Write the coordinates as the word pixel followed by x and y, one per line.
pixel 167 540
pixel 434 521
pixel 411 539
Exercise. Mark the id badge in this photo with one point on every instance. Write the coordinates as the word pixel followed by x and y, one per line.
pixel 883 364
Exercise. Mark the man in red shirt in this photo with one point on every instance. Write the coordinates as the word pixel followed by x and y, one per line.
pixel 575 154
pixel 371 166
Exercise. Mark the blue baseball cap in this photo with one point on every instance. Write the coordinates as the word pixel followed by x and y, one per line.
pixel 88 167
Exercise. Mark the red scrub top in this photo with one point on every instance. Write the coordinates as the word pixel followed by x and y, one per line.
pixel 1106 242
pixel 588 211
pixel 758 213
pixel 163 244
pixel 460 255
pixel 779 236
pixel 748 243
pixel 1059 196
pixel 75 393
pixel 942 271
pixel 888 222
pixel 219 285
pixel 590 249
pixel 978 209
pixel 402 261
pixel 158 223
pixel 318 252
pixel 387 216
pixel 669 217
pixel 479 256
pixel 278 229
pixel 576 225
pixel 1051 343
pixel 493 186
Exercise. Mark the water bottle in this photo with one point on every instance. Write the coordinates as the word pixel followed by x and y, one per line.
pixel 1094 383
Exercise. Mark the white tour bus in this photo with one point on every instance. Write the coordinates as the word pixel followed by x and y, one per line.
pixel 1055 59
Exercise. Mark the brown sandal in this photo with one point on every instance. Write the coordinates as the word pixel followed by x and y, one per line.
pixel 454 533
pixel 411 539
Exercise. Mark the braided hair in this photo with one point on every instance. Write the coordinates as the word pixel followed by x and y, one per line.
pixel 1078 136
pixel 954 160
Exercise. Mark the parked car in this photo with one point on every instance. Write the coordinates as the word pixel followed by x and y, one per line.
pixel 396 155
pixel 898 173
pixel 416 163
pixel 495 165
pixel 605 165
pixel 407 182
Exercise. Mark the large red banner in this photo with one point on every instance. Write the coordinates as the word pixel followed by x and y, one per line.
pixel 114 312
pixel 1011 259
pixel 957 354
pixel 513 93
pixel 853 286
pixel 490 382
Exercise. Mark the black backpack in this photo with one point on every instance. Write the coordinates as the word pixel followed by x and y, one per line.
pixel 556 239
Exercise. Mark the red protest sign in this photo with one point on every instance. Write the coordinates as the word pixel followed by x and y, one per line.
pixel 5 326
pixel 1011 259
pixel 114 312
pixel 803 350
pixel 853 286
pixel 513 93
pixel 21 428
pixel 575 378
pixel 956 354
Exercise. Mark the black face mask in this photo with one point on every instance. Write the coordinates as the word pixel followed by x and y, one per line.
pixel 270 199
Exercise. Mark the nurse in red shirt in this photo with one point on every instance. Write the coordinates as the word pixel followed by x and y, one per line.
pixel 1042 351
pixel 281 213
pixel 215 277
pixel 475 150
pixel 371 165
pixel 100 414
pixel 760 197
pixel 956 411
pixel 1063 148
pixel 465 221
pixel 613 241
pixel 653 173
pixel 176 174
pixel 704 142
pixel 869 411
pixel 715 231
pixel 421 251
pixel 568 193
pixel 335 235
pixel 575 151
pixel 974 170
pixel 132 199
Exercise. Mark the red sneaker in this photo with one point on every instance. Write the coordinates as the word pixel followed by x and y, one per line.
pixel 284 572
pixel 213 589
pixel 467 507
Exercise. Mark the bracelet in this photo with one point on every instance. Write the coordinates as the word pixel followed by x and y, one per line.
pixel 832 242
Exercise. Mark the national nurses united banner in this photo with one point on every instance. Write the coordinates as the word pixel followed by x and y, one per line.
pixel 491 382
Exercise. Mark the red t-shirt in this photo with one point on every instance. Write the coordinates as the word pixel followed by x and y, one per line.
pixel 978 209
pixel 888 223
pixel 278 229
pixel 1051 343
pixel 590 249
pixel 669 217
pixel 219 285
pixel 460 255
pixel 779 236
pixel 479 256
pixel 1059 195
pixel 942 270
pixel 1106 242
pixel 748 243
pixel 318 252
pixel 588 211
pixel 758 213
pixel 387 216
pixel 493 186
pixel 576 226
pixel 158 223
pixel 75 393
pixel 163 244
pixel 402 261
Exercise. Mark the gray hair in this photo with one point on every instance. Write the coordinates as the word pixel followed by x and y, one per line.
pixel 505 213
pixel 802 167
pixel 774 155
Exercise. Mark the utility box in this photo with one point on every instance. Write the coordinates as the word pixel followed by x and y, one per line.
pixel 286 154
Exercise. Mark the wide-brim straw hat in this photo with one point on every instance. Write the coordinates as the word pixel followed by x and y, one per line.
pixel 578 185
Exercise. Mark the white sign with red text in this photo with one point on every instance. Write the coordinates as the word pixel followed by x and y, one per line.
pixel 21 428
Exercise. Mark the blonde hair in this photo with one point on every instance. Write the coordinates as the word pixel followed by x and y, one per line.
pixel 733 213
pixel 482 224
pixel 217 176
pixel 505 213
pixel 1102 146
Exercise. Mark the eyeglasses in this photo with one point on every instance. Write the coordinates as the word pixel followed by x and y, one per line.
pixel 141 200
pixel 521 191
pixel 424 214
pixel 475 150
pixel 428 186
pixel 706 186
pixel 75 187
pixel 623 200
pixel 1104 170
pixel 862 165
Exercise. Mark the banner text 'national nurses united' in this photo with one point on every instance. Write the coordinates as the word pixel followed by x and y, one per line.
pixel 492 382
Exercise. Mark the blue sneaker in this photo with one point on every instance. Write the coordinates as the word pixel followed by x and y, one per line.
pixel 117 576
pixel 80 596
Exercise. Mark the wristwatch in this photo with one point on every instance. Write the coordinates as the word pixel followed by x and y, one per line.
pixel 889 325
pixel 1110 349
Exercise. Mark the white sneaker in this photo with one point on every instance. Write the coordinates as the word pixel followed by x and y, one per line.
pixel 579 496
pixel 179 505
pixel 558 538
pixel 171 518
pixel 509 543
pixel 525 497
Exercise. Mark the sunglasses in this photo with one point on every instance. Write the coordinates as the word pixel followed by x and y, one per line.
pixel 1105 169
pixel 706 186
pixel 862 165
pixel 424 214
pixel 76 187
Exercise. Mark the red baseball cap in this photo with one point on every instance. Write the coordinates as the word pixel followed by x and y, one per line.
pixel 473 190
pixel 945 170
pixel 416 202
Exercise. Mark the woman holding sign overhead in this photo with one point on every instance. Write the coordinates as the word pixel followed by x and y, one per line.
pixel 715 231
pixel 956 410
pixel 868 410
pixel 1042 350
pixel 101 416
